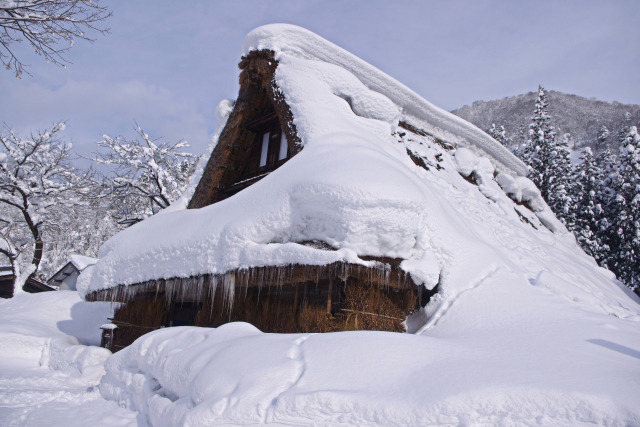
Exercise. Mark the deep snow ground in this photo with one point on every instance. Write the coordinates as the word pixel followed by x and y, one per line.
pixel 49 365
pixel 484 362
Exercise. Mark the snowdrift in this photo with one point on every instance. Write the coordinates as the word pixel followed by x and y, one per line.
pixel 49 363
pixel 53 329
pixel 505 354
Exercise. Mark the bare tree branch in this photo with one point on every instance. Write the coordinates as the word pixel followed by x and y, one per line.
pixel 49 26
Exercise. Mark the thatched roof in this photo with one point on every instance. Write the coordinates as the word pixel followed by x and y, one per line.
pixel 258 100
pixel 374 173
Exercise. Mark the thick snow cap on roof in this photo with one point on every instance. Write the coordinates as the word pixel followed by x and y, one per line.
pixel 364 186
pixel 291 40
pixel 81 262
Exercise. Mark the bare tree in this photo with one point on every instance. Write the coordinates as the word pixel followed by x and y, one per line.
pixel 49 26
pixel 35 174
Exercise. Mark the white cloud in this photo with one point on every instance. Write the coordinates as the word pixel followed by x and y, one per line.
pixel 93 108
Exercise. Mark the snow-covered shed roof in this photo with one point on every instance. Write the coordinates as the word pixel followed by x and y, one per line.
pixel 381 173
pixel 75 265
pixel 81 261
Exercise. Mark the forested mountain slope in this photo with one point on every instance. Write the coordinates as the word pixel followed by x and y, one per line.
pixel 583 118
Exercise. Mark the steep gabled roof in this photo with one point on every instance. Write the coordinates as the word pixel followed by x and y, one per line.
pixel 257 102
pixel 76 264
pixel 293 41
pixel 379 172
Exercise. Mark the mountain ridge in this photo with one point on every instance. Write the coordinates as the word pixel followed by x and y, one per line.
pixel 583 118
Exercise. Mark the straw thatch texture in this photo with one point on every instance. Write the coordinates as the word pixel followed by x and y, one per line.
pixel 258 98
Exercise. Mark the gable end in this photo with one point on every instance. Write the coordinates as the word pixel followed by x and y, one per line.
pixel 260 109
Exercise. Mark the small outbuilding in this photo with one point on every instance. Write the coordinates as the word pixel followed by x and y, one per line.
pixel 6 284
pixel 65 279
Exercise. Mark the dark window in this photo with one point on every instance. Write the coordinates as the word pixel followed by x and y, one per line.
pixel 268 150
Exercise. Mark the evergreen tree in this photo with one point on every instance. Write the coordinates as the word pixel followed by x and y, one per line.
pixel 626 125
pixel 550 165
pixel 625 259
pixel 560 172
pixel 587 177
pixel 541 141
pixel 605 198
pixel 603 134
pixel 499 134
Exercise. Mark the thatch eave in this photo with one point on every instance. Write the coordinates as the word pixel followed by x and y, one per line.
pixel 384 273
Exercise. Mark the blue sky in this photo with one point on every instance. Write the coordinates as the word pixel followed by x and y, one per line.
pixel 167 64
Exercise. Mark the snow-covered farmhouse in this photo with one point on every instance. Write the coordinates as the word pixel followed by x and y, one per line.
pixel 334 198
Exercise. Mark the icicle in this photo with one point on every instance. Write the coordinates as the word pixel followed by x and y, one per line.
pixel 280 278
pixel 168 286
pixel 212 284
pixel 199 286
pixel 246 279
pixel 182 284
pixel 214 287
pixel 229 291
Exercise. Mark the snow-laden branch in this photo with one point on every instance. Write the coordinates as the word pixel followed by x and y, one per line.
pixel 35 175
pixel 49 26
pixel 148 175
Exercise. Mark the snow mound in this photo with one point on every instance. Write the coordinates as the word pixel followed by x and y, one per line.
pixel 550 365
pixel 523 190
pixel 52 329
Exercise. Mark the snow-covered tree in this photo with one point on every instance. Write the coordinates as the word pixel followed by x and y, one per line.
pixel 560 183
pixel 49 26
pixel 549 161
pixel 80 228
pixel 35 175
pixel 603 134
pixel 148 175
pixel 605 194
pixel 626 125
pixel 541 135
pixel 586 194
pixel 540 144
pixel 499 134
pixel 626 212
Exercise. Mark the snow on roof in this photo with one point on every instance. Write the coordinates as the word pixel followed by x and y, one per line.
pixel 291 40
pixel 81 262
pixel 354 187
pixel 109 326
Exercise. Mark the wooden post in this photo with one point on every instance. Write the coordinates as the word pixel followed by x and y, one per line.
pixel 329 296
